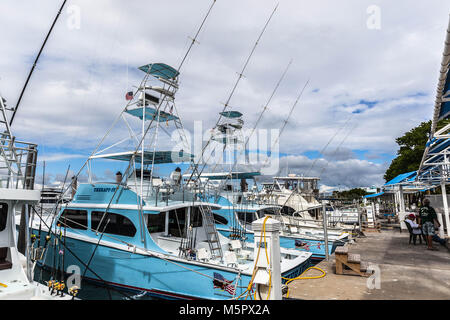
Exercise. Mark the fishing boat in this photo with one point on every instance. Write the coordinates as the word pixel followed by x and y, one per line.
pixel 300 208
pixel 17 171
pixel 238 209
pixel 148 234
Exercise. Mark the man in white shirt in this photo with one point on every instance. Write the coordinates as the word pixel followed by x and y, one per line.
pixel 415 227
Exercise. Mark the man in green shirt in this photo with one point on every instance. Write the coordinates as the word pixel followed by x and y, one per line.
pixel 428 216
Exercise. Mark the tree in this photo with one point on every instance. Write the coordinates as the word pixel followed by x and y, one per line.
pixel 355 193
pixel 412 147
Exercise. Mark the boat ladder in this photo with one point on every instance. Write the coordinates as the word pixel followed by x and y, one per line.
pixel 212 235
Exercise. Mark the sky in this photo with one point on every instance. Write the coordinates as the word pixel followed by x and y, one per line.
pixel 372 69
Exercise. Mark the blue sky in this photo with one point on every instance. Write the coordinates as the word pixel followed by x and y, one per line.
pixel 367 86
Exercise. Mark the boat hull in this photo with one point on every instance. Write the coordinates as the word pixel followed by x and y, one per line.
pixel 316 247
pixel 169 279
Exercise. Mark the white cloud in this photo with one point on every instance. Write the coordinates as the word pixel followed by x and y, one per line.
pixel 79 84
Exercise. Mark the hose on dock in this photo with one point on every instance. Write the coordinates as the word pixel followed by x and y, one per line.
pixel 304 278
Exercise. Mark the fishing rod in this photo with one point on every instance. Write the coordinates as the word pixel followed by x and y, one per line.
pixel 142 82
pixel 323 168
pixel 328 143
pixel 321 152
pixel 35 62
pixel 282 129
pixel 265 107
pixel 141 140
pixel 336 150
pixel 194 39
pixel 226 104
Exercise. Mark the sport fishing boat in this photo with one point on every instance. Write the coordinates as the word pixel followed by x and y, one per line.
pixel 238 209
pixel 144 233
pixel 300 208
pixel 17 171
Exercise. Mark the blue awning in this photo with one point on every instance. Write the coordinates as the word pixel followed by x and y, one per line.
pixel 404 177
pixel 374 195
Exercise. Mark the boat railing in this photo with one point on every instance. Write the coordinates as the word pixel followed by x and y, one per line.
pixel 17 162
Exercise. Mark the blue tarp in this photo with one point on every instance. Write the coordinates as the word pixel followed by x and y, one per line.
pixel 404 177
pixel 373 195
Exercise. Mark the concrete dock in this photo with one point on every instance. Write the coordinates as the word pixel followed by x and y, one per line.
pixel 407 271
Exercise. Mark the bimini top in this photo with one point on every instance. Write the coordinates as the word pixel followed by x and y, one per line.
pixel 151 113
pixel 159 156
pixel 161 70
pixel 227 175
pixel 231 114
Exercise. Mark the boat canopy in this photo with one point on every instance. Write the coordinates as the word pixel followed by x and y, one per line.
pixel 159 156
pixel 231 114
pixel 151 113
pixel 373 195
pixel 160 70
pixel 402 178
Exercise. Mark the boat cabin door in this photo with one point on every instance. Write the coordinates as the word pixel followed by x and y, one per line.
pixel 6 234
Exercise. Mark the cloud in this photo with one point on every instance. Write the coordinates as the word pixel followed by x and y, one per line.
pixel 346 173
pixel 386 76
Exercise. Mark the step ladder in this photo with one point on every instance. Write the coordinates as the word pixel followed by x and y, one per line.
pixel 351 261
pixel 212 235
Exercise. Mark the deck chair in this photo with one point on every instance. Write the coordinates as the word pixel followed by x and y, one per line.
pixel 203 254
pixel 230 258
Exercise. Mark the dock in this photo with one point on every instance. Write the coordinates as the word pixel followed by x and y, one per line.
pixel 407 271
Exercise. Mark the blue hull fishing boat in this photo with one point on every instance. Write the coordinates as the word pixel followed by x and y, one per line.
pixel 238 210
pixel 144 233
pixel 241 228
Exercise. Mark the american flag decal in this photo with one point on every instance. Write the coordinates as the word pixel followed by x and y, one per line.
pixel 223 284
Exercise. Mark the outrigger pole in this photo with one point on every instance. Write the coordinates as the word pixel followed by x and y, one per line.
pixel 35 62
pixel 140 142
pixel 259 118
pixel 240 75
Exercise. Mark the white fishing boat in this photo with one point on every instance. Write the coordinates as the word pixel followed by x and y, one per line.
pixel 17 169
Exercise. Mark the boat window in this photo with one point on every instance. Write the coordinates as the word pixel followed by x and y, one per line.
pixel 196 217
pixel 268 211
pixel 287 210
pixel 246 217
pixel 3 215
pixel 177 222
pixel 219 219
pixel 75 219
pixel 156 222
pixel 118 224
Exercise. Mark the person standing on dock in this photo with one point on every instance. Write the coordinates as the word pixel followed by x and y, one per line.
pixel 428 217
